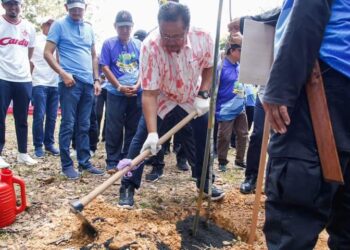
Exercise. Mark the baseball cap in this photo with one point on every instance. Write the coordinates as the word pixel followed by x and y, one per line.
pixel 6 1
pixel 76 4
pixel 124 18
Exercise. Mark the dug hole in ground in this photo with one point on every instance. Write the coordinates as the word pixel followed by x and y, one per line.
pixel 162 218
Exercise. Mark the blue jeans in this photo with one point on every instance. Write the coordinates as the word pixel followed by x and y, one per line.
pixel 199 126
pixel 20 93
pixel 122 114
pixel 76 105
pixel 45 102
pixel 93 138
pixel 254 148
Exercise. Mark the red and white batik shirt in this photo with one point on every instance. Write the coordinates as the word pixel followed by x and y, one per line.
pixel 176 75
pixel 15 39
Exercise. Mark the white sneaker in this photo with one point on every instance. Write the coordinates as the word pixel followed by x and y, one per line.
pixel 73 153
pixel 3 163
pixel 26 159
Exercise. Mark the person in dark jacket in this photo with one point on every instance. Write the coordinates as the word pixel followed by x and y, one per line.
pixel 300 204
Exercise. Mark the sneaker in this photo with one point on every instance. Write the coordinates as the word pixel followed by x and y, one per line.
pixel 126 196
pixel 155 174
pixel 216 194
pixel 52 150
pixel 249 185
pixel 240 164
pixel 26 159
pixel 39 153
pixel 111 169
pixel 3 163
pixel 73 153
pixel 70 173
pixel 92 153
pixel 92 170
pixel 182 164
pixel 222 168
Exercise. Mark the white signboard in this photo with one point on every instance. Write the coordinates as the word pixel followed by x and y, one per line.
pixel 257 52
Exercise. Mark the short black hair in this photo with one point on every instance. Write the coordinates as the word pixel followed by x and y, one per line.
pixel 172 11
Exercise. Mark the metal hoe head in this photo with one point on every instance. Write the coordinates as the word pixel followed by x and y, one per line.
pixel 87 227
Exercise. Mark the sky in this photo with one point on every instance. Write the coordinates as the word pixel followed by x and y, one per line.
pixel 204 13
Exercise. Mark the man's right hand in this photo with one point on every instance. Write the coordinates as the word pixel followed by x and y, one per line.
pixel 67 79
pixel 125 90
pixel 151 143
pixel 234 26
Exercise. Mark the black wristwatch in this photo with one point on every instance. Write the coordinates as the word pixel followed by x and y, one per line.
pixel 97 80
pixel 204 94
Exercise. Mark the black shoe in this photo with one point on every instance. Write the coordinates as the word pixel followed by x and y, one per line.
pixel 182 164
pixel 241 164
pixel 249 185
pixel 126 196
pixel 149 161
pixel 155 174
pixel 216 194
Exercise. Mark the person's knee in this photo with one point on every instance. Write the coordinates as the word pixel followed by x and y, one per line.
pixel 294 181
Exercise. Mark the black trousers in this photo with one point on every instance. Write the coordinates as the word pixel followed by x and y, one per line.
pixel 300 204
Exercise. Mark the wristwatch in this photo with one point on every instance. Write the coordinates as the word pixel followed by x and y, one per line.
pixel 97 80
pixel 204 94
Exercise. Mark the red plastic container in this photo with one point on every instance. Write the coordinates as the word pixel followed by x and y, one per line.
pixel 8 207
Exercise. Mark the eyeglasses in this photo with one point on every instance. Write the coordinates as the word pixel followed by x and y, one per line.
pixel 176 38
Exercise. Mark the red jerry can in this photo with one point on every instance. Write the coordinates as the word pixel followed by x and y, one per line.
pixel 8 207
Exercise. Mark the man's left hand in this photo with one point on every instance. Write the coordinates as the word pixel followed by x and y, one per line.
pixel 201 105
pixel 97 88
pixel 133 89
pixel 278 117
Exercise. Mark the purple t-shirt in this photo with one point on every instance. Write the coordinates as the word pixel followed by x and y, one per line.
pixel 123 61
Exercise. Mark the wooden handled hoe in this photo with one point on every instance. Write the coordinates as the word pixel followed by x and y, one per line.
pixel 78 205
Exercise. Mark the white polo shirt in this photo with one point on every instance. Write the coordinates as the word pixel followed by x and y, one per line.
pixel 42 73
pixel 15 39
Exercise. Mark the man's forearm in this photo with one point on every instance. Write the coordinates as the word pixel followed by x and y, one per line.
pixel 110 77
pixel 51 60
pixel 94 63
pixel 149 108
pixel 207 75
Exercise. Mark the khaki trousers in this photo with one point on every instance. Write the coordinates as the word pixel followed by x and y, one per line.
pixel 240 127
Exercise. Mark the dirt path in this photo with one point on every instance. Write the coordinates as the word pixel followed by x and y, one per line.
pixel 161 220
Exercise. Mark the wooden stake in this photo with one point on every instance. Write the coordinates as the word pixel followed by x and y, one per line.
pixel 262 165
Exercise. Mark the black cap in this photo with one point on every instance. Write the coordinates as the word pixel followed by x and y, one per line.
pixel 124 18
pixel 76 4
pixel 140 34
pixel 6 1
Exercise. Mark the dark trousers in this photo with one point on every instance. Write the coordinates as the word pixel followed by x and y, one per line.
pixel 93 130
pixel 20 93
pixel 101 101
pixel 122 116
pixel 255 140
pixel 45 102
pixel 185 151
pixel 199 126
pixel 300 204
pixel 76 104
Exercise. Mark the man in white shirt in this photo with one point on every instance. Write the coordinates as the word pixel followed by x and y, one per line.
pixel 45 97
pixel 17 38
